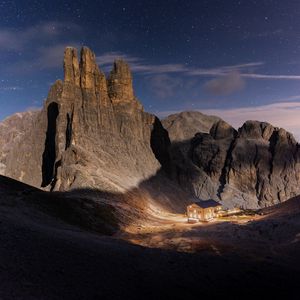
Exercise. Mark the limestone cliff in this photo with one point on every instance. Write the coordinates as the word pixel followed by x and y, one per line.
pixel 12 130
pixel 183 126
pixel 256 166
pixel 92 132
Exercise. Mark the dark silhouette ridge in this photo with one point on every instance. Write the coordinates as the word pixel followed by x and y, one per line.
pixel 49 154
pixel 179 172
pixel 55 261
pixel 160 143
pixel 53 182
pixel 226 167
pixel 84 207
pixel 69 130
pixel 273 141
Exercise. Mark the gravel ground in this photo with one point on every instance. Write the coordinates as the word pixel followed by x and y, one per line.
pixel 41 257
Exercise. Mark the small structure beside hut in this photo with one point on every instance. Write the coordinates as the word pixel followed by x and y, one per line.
pixel 203 210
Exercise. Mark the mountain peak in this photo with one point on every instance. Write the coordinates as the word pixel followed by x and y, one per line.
pixel 221 130
pixel 120 82
pixel 71 66
pixel 184 125
pixel 90 75
pixel 85 128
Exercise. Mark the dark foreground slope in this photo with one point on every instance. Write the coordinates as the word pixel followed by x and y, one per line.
pixel 44 257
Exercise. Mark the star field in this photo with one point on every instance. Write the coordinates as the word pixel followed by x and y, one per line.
pixel 184 54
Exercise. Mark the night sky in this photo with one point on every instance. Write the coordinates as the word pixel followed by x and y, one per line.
pixel 237 59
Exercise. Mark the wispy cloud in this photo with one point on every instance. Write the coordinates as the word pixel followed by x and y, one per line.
pixel 109 57
pixel 51 56
pixel 288 99
pixel 139 65
pixel 225 79
pixel 263 34
pixel 37 47
pixel 46 57
pixel 265 76
pixel 283 114
pixel 225 85
pixel 51 40
pixel 164 85
pixel 17 40
pixel 10 88
pixel 224 70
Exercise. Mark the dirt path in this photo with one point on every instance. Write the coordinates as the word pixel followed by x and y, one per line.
pixel 172 231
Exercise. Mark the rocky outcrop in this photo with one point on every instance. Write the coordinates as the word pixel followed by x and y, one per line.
pixel 183 126
pixel 12 130
pixel 256 166
pixel 264 165
pixel 120 84
pixel 91 133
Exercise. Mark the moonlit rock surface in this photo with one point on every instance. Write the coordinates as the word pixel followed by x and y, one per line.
pixel 91 132
pixel 256 166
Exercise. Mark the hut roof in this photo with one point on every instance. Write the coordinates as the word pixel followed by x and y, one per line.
pixel 207 203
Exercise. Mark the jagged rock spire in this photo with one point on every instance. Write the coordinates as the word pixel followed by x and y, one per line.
pixel 84 136
pixel 120 82
pixel 85 74
pixel 87 68
pixel 91 76
pixel 71 66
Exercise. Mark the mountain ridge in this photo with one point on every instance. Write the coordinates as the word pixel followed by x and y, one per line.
pixel 80 108
pixel 254 166
pixel 93 132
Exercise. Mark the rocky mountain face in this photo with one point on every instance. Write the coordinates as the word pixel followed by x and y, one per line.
pixel 183 126
pixel 12 130
pixel 92 132
pixel 256 166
